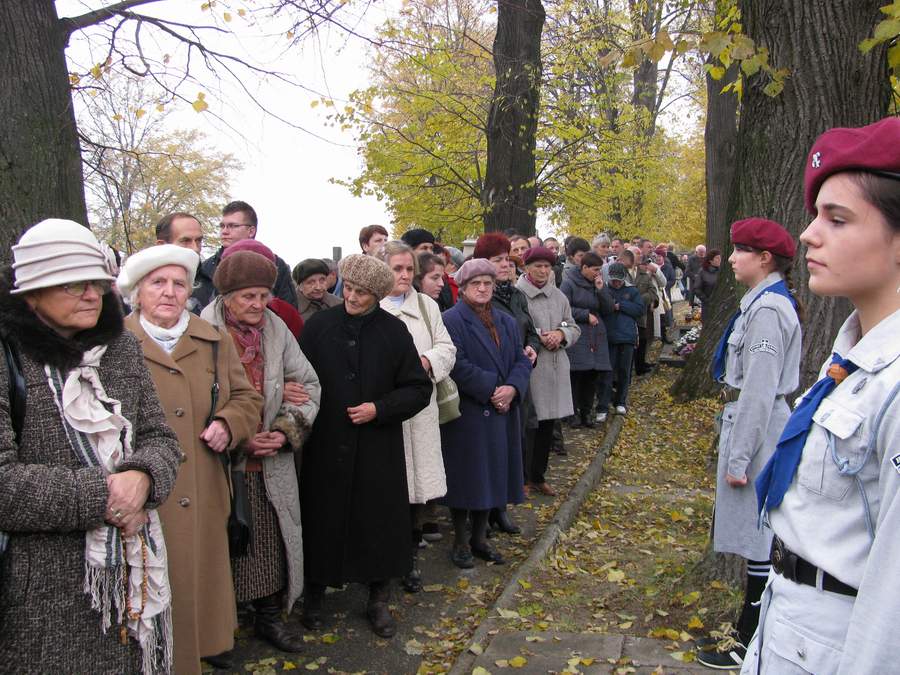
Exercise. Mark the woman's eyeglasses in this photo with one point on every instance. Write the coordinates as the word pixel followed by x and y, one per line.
pixel 77 288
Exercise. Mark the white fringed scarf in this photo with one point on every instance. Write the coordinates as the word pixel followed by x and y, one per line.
pixel 103 437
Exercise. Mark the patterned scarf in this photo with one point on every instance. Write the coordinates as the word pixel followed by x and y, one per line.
pixel 503 291
pixel 484 313
pixel 125 574
pixel 534 283
pixel 248 338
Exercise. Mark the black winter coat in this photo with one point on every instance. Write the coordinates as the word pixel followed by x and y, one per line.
pixel 353 494
pixel 590 351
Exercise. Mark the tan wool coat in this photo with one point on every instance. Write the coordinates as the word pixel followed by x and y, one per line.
pixel 194 518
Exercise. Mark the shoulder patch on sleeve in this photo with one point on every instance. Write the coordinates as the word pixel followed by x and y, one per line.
pixel 764 346
pixel 895 460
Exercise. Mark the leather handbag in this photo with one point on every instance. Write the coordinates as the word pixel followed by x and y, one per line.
pixel 446 392
pixel 239 527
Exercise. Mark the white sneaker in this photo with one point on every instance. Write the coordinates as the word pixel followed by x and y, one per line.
pixel 620 410
pixel 601 417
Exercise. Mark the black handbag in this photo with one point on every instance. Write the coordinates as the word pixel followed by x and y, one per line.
pixel 239 528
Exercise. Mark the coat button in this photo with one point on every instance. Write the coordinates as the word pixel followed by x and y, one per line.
pixel 179 412
pixel 184 501
pixel 487 413
pixel 351 343
pixel 172 371
pixel 351 376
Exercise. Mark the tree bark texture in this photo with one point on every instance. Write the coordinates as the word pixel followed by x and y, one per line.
pixel 832 84
pixel 40 158
pixel 510 192
pixel 720 140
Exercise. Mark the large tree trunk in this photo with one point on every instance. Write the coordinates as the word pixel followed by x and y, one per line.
pixel 831 84
pixel 510 192
pixel 40 158
pixel 720 140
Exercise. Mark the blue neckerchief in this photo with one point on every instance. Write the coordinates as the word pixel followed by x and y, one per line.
pixel 779 471
pixel 719 359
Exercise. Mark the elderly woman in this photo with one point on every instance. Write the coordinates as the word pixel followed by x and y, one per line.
pixel 354 477
pixel 85 460
pixel 421 434
pixel 551 389
pixel 482 448
pixel 271 574
pixel 189 360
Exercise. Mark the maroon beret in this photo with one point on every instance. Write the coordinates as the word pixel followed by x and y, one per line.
pixel 249 245
pixel 491 244
pixel 874 148
pixel 765 235
pixel 539 253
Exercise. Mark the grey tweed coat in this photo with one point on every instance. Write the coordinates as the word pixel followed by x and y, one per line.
pixel 48 499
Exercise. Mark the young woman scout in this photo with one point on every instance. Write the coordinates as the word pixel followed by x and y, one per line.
pixel 758 362
pixel 831 490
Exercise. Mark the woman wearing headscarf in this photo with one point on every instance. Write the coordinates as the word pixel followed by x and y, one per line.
pixel 271 574
pixel 194 367
pixel 707 277
pixel 86 458
pixel 482 448
pixel 551 389
pixel 421 434
pixel 354 492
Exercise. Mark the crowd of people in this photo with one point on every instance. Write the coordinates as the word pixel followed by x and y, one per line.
pixel 179 438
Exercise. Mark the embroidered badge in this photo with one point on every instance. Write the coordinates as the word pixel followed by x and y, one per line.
pixel 764 346
pixel 816 160
pixel 895 460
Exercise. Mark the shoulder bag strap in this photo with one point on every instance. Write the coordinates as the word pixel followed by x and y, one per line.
pixel 425 316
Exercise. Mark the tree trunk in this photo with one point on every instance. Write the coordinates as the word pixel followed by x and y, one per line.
pixel 831 84
pixel 510 192
pixel 720 139
pixel 40 158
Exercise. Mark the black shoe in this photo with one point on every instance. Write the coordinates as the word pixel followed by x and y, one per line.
pixel 462 557
pixel 312 615
pixel 712 656
pixel 430 532
pixel 377 611
pixel 271 627
pixel 574 422
pixel 499 520
pixel 587 422
pixel 412 582
pixel 488 554
pixel 221 661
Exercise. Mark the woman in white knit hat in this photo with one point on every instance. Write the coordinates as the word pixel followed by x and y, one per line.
pixel 86 457
pixel 214 410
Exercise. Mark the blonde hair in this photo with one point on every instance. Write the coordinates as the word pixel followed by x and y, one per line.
pixel 392 248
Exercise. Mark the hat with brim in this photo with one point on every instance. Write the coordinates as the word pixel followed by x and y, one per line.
pixel 140 264
pixel 55 252
pixel 617 272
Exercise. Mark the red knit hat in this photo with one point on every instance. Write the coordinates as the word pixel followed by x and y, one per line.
pixel 490 244
pixel 874 148
pixel 764 235
pixel 539 253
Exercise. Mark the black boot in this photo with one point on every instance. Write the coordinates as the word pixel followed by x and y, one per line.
pixel 313 595
pixel 270 625
pixel 586 421
pixel 378 612
pixel 412 582
pixel 499 520
pixel 223 661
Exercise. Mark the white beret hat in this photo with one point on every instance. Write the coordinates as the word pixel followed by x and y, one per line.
pixel 140 264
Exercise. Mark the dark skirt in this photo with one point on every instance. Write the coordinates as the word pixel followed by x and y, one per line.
pixel 264 570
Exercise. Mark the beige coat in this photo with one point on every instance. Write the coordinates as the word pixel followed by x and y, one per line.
pixel 284 362
pixel 425 476
pixel 550 388
pixel 194 517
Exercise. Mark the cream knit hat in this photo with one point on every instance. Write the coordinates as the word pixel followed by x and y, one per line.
pixel 56 252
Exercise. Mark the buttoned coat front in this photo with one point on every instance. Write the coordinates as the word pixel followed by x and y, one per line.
pixel 425 475
pixel 550 388
pixel 195 516
pixel 284 362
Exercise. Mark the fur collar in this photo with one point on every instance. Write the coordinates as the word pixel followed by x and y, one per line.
pixel 44 345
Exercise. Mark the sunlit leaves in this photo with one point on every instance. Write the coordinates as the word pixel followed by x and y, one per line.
pixel 200 104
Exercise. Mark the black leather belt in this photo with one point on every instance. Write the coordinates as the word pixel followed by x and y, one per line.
pixel 791 566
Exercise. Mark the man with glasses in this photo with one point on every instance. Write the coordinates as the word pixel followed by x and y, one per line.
pixel 239 222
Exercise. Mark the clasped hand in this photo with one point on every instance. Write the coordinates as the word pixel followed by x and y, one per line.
pixel 552 339
pixel 502 397
pixel 128 492
pixel 266 443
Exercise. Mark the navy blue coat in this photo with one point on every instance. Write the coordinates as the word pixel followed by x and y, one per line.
pixel 621 325
pixel 482 448
pixel 590 352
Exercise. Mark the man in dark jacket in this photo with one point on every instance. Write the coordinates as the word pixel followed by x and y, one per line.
pixel 239 222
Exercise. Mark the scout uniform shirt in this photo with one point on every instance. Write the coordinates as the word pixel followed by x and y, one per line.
pixel 763 361
pixel 824 517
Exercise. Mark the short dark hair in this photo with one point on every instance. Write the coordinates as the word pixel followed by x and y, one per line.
pixel 516 237
pixel 881 192
pixel 164 226
pixel 427 262
pixel 576 245
pixel 591 259
pixel 710 255
pixel 241 207
pixel 370 231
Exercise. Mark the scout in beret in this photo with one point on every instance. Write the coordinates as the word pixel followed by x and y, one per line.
pixel 831 492
pixel 758 363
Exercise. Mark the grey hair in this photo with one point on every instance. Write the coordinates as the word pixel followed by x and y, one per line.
pixel 392 248
pixel 601 238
